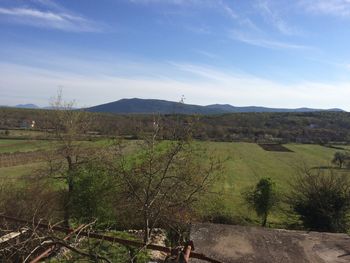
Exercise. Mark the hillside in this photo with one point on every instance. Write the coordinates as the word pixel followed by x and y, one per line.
pixel 148 106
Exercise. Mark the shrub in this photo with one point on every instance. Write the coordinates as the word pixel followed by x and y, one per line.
pixel 322 200
pixel 91 196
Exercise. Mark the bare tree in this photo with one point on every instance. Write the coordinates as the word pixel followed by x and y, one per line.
pixel 164 177
pixel 69 129
pixel 340 158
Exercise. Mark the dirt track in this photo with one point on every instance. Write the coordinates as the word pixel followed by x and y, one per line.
pixel 238 244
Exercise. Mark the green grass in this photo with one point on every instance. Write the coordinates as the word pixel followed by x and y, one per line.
pixel 246 163
pixel 20 145
pixel 9 145
pixel 19 170
pixel 9 174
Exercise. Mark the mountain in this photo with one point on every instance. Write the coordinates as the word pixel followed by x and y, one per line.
pixel 27 106
pixel 147 106
pixel 151 106
pixel 230 108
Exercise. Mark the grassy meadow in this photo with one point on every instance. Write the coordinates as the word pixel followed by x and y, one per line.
pixel 10 145
pixel 243 165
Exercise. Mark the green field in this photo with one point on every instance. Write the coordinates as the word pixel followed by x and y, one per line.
pixel 11 145
pixel 244 164
pixel 247 162
pixel 20 145
pixel 8 174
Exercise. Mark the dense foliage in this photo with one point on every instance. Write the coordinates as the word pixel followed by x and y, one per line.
pixel 322 201
pixel 92 196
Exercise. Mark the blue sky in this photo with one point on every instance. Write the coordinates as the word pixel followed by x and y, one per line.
pixel 257 52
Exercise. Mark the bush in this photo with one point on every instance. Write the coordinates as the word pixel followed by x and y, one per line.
pixel 91 196
pixel 322 201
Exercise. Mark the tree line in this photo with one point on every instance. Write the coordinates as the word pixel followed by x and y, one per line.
pixel 313 127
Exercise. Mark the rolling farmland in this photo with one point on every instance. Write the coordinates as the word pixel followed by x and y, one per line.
pixel 243 165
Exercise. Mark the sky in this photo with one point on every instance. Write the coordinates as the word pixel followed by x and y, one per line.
pixel 274 53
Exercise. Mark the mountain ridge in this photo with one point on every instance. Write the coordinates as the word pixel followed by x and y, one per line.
pixel 148 106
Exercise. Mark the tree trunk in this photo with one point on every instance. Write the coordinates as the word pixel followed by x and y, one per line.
pixel 264 221
pixel 67 203
pixel 146 235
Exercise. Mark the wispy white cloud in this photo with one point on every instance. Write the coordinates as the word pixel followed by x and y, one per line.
pixel 48 19
pixel 171 2
pixel 265 43
pixel 202 30
pixel 220 6
pixel 206 54
pixel 50 5
pixel 272 16
pixel 241 20
pixel 327 7
pixel 229 11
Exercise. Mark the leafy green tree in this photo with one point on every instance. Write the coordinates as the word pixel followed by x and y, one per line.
pixel 322 200
pixel 91 199
pixel 263 198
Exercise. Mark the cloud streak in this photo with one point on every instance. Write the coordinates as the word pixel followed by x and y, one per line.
pixel 327 7
pixel 241 20
pixel 274 18
pixel 48 19
pixel 218 5
pixel 265 43
pixel 206 54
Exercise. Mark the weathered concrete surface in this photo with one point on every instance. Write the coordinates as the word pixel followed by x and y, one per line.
pixel 239 244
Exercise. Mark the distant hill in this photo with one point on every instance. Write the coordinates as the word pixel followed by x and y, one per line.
pixel 147 106
pixel 27 106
